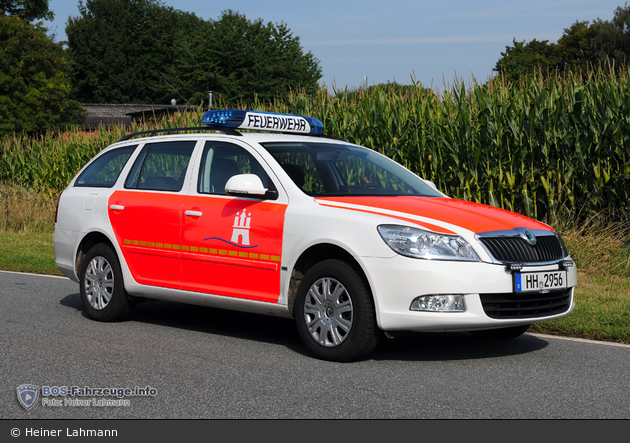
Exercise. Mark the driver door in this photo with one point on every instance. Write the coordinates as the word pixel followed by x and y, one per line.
pixel 231 246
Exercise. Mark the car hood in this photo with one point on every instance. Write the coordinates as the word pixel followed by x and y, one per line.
pixel 444 215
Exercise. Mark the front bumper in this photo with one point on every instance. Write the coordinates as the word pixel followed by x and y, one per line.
pixel 396 281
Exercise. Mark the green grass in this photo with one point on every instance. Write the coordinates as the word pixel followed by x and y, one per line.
pixel 601 250
pixel 602 310
pixel 28 252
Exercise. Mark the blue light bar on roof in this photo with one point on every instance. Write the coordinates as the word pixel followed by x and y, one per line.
pixel 263 121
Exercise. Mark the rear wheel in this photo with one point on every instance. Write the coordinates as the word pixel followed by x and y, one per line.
pixel 102 291
pixel 335 314
pixel 501 333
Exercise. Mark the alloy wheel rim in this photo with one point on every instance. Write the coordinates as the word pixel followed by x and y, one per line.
pixel 328 312
pixel 99 283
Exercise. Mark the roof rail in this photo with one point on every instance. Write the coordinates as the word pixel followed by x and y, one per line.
pixel 152 132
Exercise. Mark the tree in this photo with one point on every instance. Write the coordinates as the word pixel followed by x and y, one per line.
pixel 525 59
pixel 576 49
pixel 142 51
pixel 390 88
pixel 121 49
pixel 34 86
pixel 581 48
pixel 257 60
pixel 28 10
pixel 613 41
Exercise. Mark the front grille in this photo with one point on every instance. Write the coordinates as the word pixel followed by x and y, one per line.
pixel 525 305
pixel 517 250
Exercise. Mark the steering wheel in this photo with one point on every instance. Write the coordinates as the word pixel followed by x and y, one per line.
pixel 371 186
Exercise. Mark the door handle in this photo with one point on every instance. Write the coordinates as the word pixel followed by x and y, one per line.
pixel 116 207
pixel 194 213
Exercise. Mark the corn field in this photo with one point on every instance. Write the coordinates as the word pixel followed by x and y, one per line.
pixel 548 149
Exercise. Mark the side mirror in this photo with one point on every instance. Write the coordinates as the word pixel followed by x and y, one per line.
pixel 431 184
pixel 245 185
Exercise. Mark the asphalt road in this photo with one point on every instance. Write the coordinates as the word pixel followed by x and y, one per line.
pixel 208 363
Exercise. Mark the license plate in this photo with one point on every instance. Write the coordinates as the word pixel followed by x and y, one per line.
pixel 540 281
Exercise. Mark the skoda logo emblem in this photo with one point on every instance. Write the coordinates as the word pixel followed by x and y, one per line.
pixel 530 237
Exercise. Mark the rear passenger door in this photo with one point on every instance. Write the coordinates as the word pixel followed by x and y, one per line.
pixel 231 246
pixel 146 215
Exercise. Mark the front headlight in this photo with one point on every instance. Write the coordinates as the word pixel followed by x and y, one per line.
pixel 417 243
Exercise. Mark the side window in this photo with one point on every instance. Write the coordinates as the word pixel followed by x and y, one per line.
pixel 104 171
pixel 221 161
pixel 161 166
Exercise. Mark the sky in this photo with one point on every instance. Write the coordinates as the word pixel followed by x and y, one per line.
pixel 365 42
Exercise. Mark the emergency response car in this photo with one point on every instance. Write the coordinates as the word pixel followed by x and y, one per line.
pixel 284 221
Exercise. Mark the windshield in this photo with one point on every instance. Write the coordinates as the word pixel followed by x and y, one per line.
pixel 327 169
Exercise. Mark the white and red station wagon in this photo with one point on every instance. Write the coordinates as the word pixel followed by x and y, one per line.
pixel 290 223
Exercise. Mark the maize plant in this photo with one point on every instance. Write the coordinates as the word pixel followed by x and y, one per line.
pixel 545 148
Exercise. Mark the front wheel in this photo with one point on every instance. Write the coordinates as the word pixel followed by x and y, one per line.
pixel 335 314
pixel 501 333
pixel 102 291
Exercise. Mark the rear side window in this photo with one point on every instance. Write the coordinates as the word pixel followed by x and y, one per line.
pixel 161 166
pixel 104 171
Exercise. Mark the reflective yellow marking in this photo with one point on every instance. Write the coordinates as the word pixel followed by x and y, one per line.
pixel 231 253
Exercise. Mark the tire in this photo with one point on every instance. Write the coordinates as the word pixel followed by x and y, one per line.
pixel 501 333
pixel 102 290
pixel 335 313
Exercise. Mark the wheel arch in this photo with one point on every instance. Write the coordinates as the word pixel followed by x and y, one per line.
pixel 91 239
pixel 314 255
